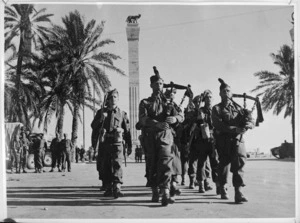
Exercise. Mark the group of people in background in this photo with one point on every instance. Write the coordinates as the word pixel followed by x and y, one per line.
pixel 202 141
pixel 24 143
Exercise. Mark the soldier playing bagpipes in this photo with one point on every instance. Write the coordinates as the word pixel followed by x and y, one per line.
pixel 112 126
pixel 231 121
pixel 157 122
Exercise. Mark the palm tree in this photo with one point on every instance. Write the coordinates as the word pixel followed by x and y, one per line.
pixel 84 61
pixel 278 89
pixel 24 22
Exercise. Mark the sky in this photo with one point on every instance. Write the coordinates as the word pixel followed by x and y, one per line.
pixel 194 44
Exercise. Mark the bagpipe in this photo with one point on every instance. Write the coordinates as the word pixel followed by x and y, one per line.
pixel 247 114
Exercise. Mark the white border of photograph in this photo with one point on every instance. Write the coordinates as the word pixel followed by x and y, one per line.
pixel 294 3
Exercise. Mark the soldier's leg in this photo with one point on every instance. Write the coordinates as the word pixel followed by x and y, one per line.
pixel 223 145
pixel 107 169
pixel 201 167
pixel 54 161
pixel 177 171
pixel 152 157
pixel 238 160
pixel 193 162
pixel 63 161
pixel 208 174
pixel 117 159
pixel 18 162
pixel 165 162
pixel 68 159
pixel 184 163
pixel 214 164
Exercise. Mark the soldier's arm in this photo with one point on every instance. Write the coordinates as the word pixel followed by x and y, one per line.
pixel 144 119
pixel 126 127
pixel 219 124
pixel 96 121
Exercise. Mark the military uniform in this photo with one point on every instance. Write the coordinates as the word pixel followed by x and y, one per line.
pixel 66 151
pixel 228 119
pixel 39 153
pixel 56 154
pixel 110 151
pixel 25 143
pixel 17 153
pixel 159 142
pixel 207 150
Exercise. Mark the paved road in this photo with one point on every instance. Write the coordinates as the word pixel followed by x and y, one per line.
pixel 75 195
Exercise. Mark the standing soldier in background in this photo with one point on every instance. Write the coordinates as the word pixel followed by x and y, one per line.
pixel 39 151
pixel 228 121
pixel 56 153
pixel 25 143
pixel 16 154
pixel 66 147
pixel 206 143
pixel 154 119
pixel 113 126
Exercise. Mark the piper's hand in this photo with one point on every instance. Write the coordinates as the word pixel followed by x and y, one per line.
pixel 171 120
pixel 162 125
pixel 201 116
pixel 240 130
pixel 103 116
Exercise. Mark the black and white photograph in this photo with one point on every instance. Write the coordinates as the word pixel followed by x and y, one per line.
pixel 149 111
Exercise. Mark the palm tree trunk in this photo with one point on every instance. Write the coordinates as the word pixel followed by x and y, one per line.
pixel 60 121
pixel 75 128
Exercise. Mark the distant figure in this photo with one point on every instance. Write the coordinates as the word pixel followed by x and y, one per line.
pixel 81 153
pixel 90 153
pixel 39 152
pixel 66 148
pixel 77 153
pixel 138 154
pixel 55 151
pixel 133 18
pixel 25 143
pixel 16 154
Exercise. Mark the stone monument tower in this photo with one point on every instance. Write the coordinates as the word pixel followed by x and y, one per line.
pixel 133 31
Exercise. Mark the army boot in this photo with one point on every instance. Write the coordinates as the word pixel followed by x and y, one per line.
pixel 165 200
pixel 117 190
pixel 207 187
pixel 201 187
pixel 192 182
pixel 155 194
pixel 223 192
pixel 239 197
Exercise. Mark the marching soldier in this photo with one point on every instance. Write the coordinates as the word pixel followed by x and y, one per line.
pixel 157 121
pixel 176 167
pixel 206 144
pixel 56 153
pixel 228 121
pixel 112 124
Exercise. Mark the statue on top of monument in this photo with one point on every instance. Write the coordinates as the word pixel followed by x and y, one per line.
pixel 133 18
